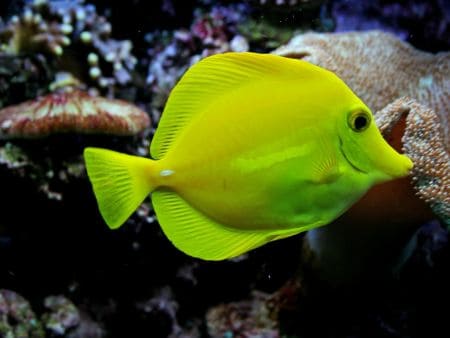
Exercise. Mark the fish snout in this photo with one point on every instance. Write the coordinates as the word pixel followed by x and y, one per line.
pixel 395 166
pixel 405 167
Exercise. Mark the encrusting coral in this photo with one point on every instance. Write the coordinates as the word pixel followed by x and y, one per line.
pixel 75 36
pixel 26 77
pixel 246 318
pixel 71 111
pixel 61 318
pixel 427 145
pixel 29 33
pixel 17 319
pixel 63 315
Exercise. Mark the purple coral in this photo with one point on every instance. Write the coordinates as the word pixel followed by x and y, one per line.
pixel 243 319
pixel 63 315
pixel 17 319
pixel 214 31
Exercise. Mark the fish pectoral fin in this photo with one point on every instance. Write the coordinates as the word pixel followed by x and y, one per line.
pixel 325 168
pixel 326 172
pixel 198 235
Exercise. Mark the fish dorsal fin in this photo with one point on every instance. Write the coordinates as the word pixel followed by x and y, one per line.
pixel 199 236
pixel 208 79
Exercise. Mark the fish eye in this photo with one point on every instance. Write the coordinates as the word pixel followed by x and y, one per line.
pixel 359 121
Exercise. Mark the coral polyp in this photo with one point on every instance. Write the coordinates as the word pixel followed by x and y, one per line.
pixel 75 37
pixel 424 141
pixel 29 33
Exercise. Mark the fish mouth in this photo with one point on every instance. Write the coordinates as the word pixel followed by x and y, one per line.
pixel 348 160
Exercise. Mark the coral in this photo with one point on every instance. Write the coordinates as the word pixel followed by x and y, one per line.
pixel 61 319
pixel 62 316
pixel 211 32
pixel 17 319
pixel 162 307
pixel 266 35
pixel 426 143
pixel 40 170
pixel 71 111
pixel 247 318
pixel 25 76
pixel 423 23
pixel 52 164
pixel 273 22
pixel 86 328
pixel 13 157
pixel 378 67
pixel 278 18
pixel 29 33
pixel 215 29
pixel 75 37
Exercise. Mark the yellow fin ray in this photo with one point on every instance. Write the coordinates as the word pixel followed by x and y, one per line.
pixel 120 182
pixel 199 236
pixel 205 82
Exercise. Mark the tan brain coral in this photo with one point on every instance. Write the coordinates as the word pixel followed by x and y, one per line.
pixel 425 144
pixel 74 111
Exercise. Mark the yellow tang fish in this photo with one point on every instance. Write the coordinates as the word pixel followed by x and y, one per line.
pixel 250 148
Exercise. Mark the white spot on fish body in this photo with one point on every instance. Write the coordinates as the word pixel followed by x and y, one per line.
pixel 166 172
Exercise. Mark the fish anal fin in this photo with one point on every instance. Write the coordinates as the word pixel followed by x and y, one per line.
pixel 199 236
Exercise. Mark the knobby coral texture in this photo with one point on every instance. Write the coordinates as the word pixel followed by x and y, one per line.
pixel 58 317
pixel 425 141
pixel 74 37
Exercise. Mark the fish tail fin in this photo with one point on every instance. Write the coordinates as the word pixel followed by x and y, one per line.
pixel 120 182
